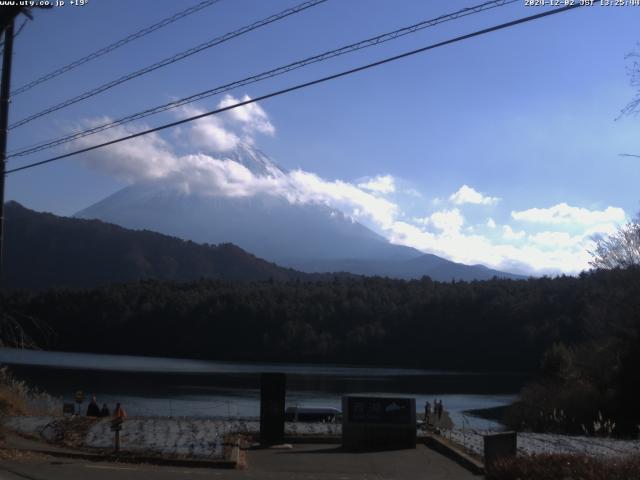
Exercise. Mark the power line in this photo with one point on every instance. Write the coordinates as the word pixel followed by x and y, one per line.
pixel 175 58
pixel 303 85
pixel 264 75
pixel 115 45
pixel 24 22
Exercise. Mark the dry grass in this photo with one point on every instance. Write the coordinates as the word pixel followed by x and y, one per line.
pixel 560 467
pixel 19 398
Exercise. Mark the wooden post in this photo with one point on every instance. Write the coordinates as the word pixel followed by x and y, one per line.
pixel 117 446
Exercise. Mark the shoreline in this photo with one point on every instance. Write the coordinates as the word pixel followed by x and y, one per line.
pixel 10 357
pixel 495 414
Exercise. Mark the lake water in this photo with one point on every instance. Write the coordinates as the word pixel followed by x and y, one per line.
pixel 150 386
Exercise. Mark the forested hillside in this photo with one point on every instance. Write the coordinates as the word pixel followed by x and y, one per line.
pixel 497 324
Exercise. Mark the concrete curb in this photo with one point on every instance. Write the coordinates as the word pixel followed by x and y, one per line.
pixel 320 439
pixel 230 463
pixel 444 447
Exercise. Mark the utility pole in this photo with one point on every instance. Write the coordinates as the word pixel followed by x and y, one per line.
pixel 4 123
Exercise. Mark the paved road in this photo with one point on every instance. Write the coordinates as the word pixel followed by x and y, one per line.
pixel 303 462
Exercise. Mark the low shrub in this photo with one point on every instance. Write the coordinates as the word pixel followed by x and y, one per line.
pixel 562 466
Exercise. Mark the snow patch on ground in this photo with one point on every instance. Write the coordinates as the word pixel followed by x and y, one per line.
pixel 29 425
pixel 201 437
pixel 536 443
pixel 194 437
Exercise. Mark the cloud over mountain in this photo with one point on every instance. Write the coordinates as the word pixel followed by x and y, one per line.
pixel 202 159
pixel 211 170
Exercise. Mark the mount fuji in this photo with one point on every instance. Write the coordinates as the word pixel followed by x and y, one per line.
pixel 310 237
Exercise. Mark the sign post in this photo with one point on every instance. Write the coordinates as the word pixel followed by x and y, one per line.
pixel 79 400
pixel 116 426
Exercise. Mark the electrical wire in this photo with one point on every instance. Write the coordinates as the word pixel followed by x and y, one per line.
pixel 304 85
pixel 168 61
pixel 24 22
pixel 114 46
pixel 373 41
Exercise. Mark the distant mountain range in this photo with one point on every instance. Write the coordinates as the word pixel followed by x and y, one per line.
pixel 43 250
pixel 308 237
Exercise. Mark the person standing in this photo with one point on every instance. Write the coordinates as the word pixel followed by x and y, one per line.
pixel 119 412
pixel 427 411
pixel 93 410
pixel 105 411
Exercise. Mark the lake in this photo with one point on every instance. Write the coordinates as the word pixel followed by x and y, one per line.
pixel 151 386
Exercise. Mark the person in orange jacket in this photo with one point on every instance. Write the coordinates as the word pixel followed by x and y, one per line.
pixel 119 412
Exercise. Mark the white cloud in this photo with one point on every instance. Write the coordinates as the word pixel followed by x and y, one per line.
pixel 412 192
pixel 379 184
pixel 551 251
pixel 209 133
pixel 223 133
pixel 204 174
pixel 491 223
pixel 143 158
pixel 526 258
pixel 563 213
pixel 251 116
pixel 602 228
pixel 467 194
pixel 556 239
pixel 447 221
pixel 509 234
pixel 309 187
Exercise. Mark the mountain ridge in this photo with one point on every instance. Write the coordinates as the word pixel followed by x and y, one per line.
pixel 44 250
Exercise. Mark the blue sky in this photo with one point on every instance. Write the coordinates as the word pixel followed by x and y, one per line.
pixel 500 150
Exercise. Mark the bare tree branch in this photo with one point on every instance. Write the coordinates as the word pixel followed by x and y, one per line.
pixel 620 249
pixel 633 71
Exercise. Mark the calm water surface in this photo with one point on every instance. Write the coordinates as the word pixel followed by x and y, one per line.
pixel 182 387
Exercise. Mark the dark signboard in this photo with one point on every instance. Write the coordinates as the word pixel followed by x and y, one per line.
pixel 68 409
pixel 498 446
pixel 378 423
pixel 116 424
pixel 379 410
